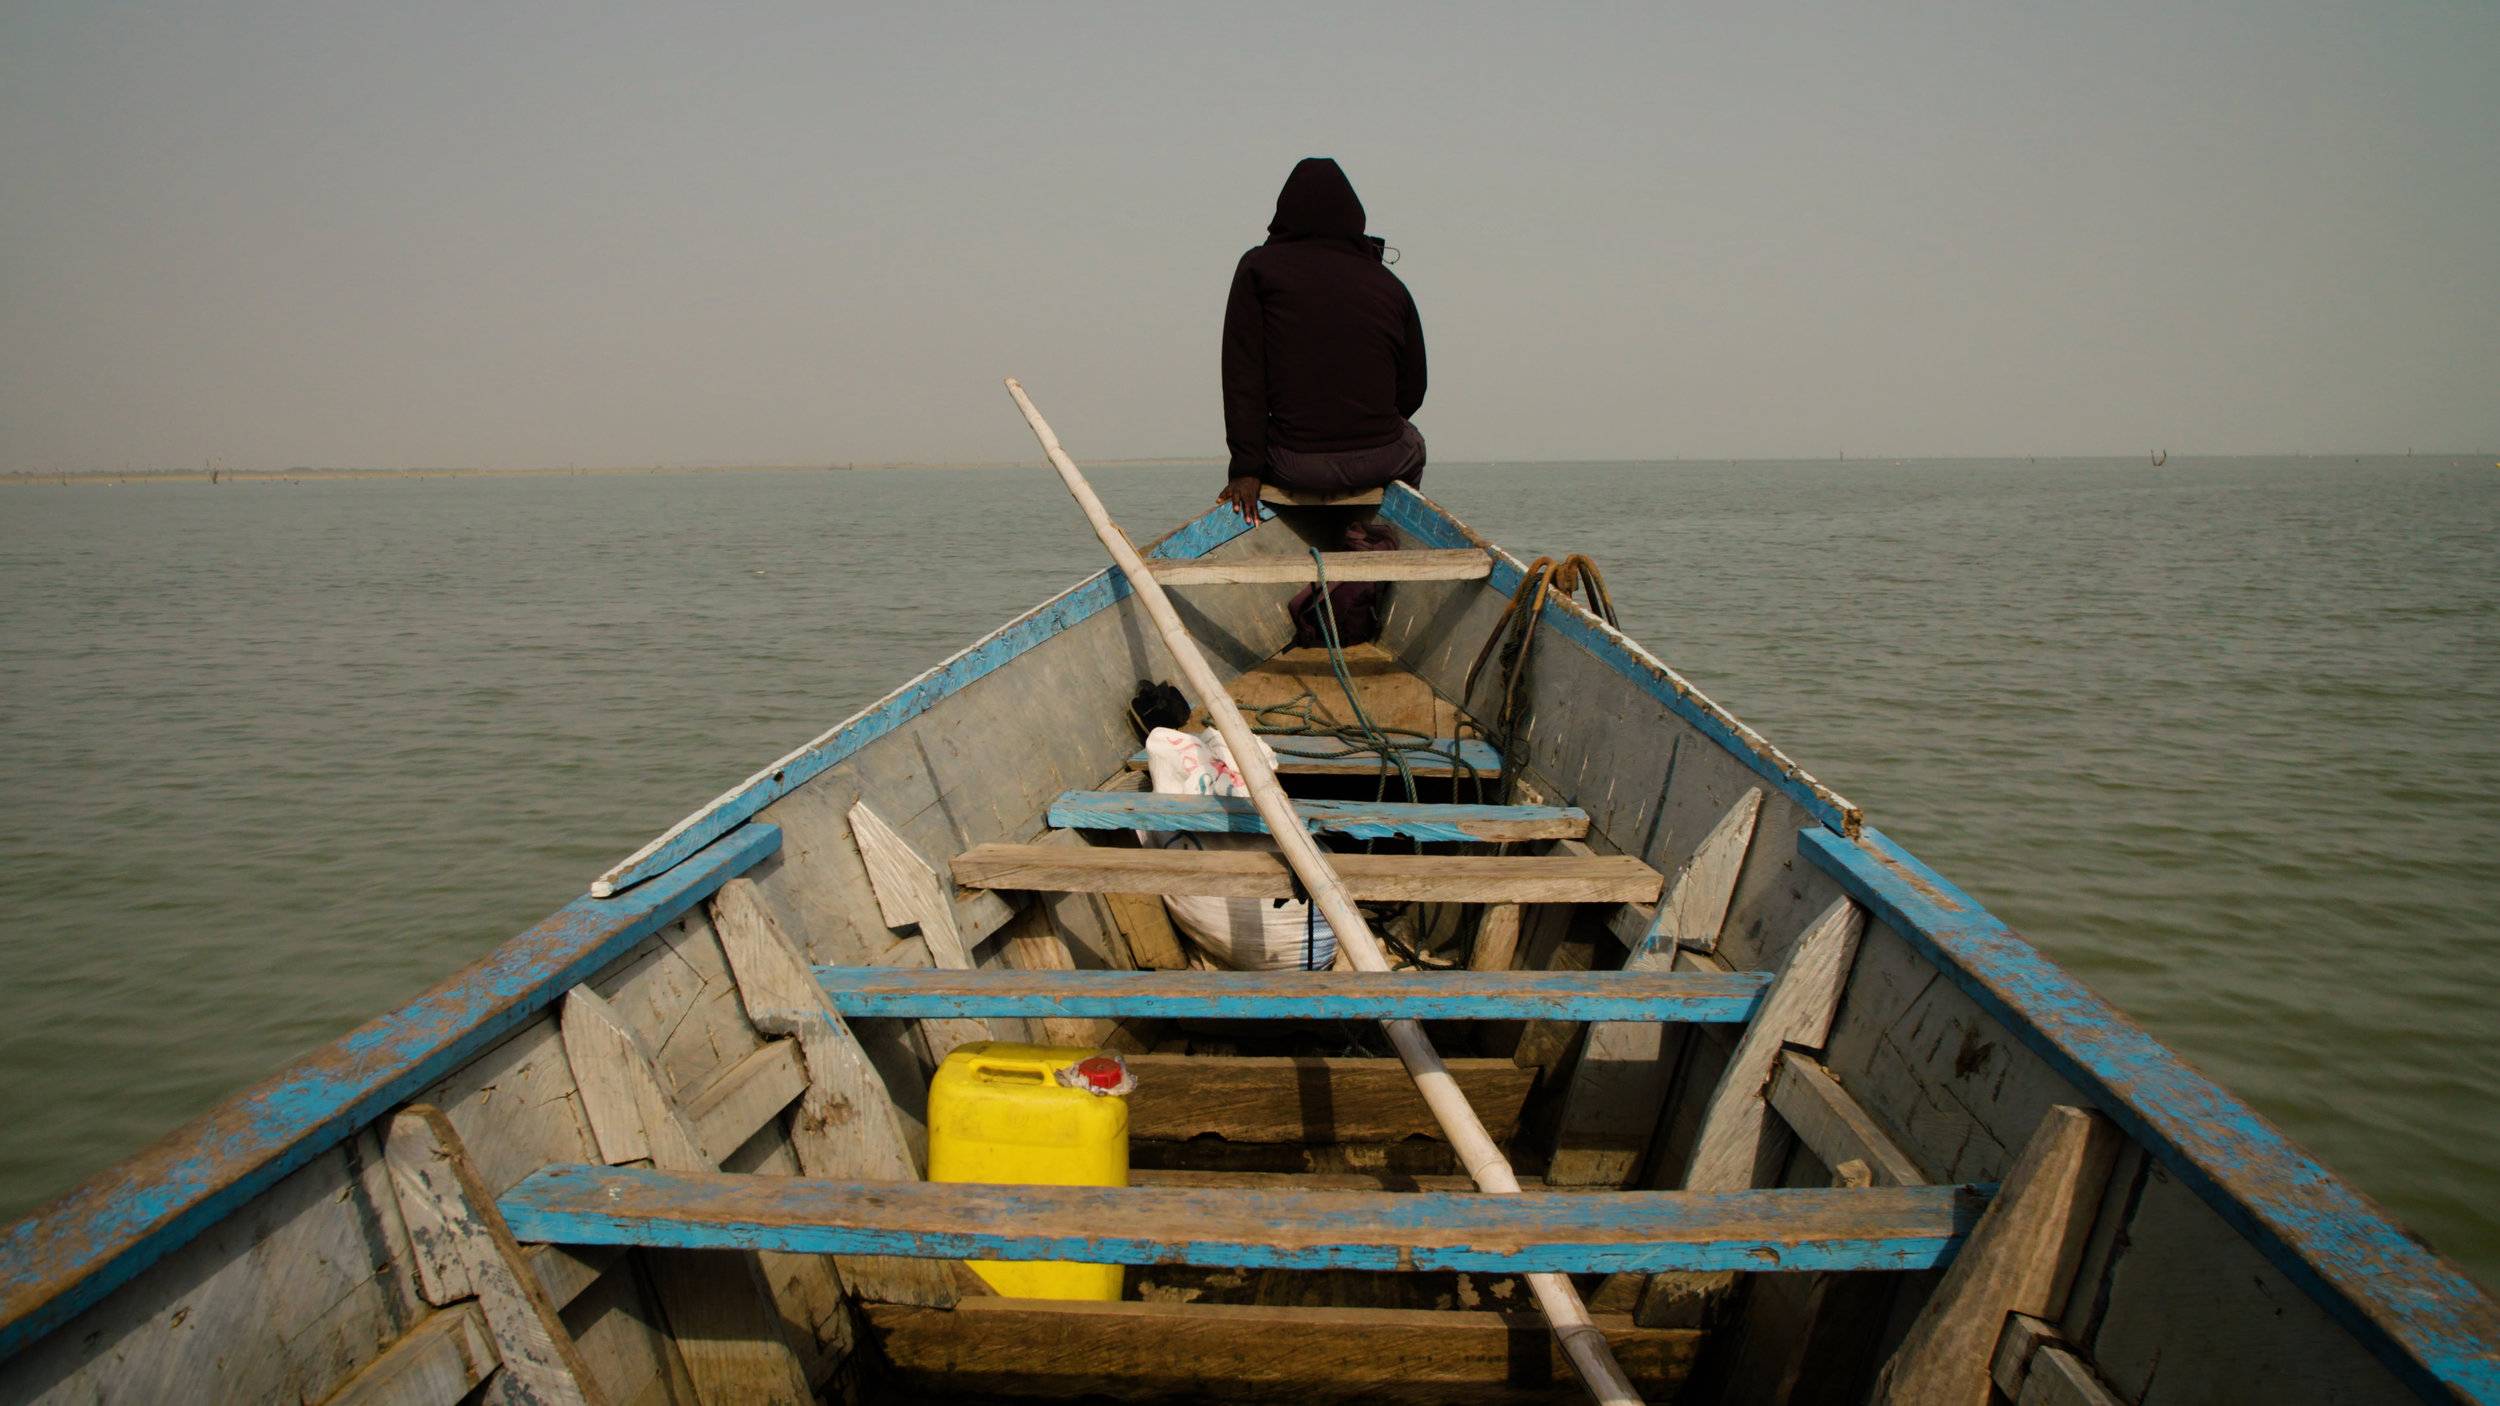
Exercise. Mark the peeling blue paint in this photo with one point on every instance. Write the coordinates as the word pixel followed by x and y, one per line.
pixel 2420 1315
pixel 927 994
pixel 76 1250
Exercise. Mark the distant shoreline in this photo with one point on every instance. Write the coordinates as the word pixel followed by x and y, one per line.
pixel 274 475
pixel 294 475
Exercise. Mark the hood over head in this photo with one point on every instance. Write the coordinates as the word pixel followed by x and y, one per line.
pixel 1318 202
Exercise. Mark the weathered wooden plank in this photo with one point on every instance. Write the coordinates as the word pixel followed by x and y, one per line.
pixel 1146 925
pixel 1833 1126
pixel 2415 1312
pixel 748 1095
pixel 434 1364
pixel 847 1128
pixel 1309 1100
pixel 1360 820
pixel 1496 947
pixel 2059 1378
pixel 1297 995
pixel 1034 949
pixel 1329 756
pixel 1610 1111
pixel 81 1247
pixel 470 1247
pixel 911 894
pixel 2020 1259
pixel 1247 1353
pixel 1418 878
pixel 1798 1011
pixel 1886 1228
pixel 1430 564
pixel 720 1309
pixel 2189 1311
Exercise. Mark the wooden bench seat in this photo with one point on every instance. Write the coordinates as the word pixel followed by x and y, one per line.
pixel 1330 756
pixel 1360 820
pixel 1415 878
pixel 1882 1228
pixel 992 1347
pixel 918 993
pixel 1458 564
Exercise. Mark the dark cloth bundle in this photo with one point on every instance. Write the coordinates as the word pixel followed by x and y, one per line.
pixel 1357 604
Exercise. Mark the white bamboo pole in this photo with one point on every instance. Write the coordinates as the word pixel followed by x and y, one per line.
pixel 1555 1293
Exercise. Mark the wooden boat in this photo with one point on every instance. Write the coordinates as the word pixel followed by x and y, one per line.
pixel 1811 1126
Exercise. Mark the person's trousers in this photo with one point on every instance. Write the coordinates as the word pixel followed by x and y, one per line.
pixel 1342 471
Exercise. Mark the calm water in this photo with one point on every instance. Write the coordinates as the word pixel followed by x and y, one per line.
pixel 2220 736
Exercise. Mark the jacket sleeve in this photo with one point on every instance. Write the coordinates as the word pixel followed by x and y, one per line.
pixel 1411 363
pixel 1245 377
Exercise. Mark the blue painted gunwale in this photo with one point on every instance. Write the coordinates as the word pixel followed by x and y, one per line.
pixel 2430 1324
pixel 73 1252
pixel 1637 1232
pixel 929 994
pixel 992 652
pixel 2416 1312
pixel 1432 526
pixel 1236 815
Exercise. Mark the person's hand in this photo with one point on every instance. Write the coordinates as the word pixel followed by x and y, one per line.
pixel 1243 494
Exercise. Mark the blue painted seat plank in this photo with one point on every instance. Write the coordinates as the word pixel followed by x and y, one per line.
pixel 1638 1232
pixel 1361 820
pixel 83 1246
pixel 927 994
pixel 1328 756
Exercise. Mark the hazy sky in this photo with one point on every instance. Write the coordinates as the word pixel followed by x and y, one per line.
pixel 535 235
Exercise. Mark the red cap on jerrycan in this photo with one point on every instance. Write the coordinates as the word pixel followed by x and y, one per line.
pixel 1100 1074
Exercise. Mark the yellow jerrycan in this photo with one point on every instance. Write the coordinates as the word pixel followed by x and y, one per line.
pixel 1045 1115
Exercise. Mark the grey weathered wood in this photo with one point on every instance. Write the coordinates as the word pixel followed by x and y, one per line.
pixel 2020 1259
pixel 847 1128
pixel 2023 1337
pixel 747 1096
pixel 1308 1100
pixel 1147 925
pixel 1246 1353
pixel 2059 1378
pixel 1734 1147
pixel 720 1310
pixel 563 1272
pixel 1610 1110
pixel 910 893
pixel 434 1364
pixel 1031 943
pixel 1696 906
pixel 1834 1126
pixel 1428 878
pixel 1427 564
pixel 1497 939
pixel 467 1242
pixel 1798 1011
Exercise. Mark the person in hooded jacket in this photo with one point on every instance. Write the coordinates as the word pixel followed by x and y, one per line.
pixel 1323 353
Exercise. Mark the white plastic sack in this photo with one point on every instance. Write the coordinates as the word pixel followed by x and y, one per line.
pixel 1247 934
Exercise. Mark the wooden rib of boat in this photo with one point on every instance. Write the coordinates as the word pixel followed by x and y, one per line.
pixel 1810 1124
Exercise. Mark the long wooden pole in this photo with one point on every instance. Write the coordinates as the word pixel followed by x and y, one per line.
pixel 1555 1293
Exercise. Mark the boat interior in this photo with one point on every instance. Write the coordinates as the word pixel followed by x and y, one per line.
pixel 669 1146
